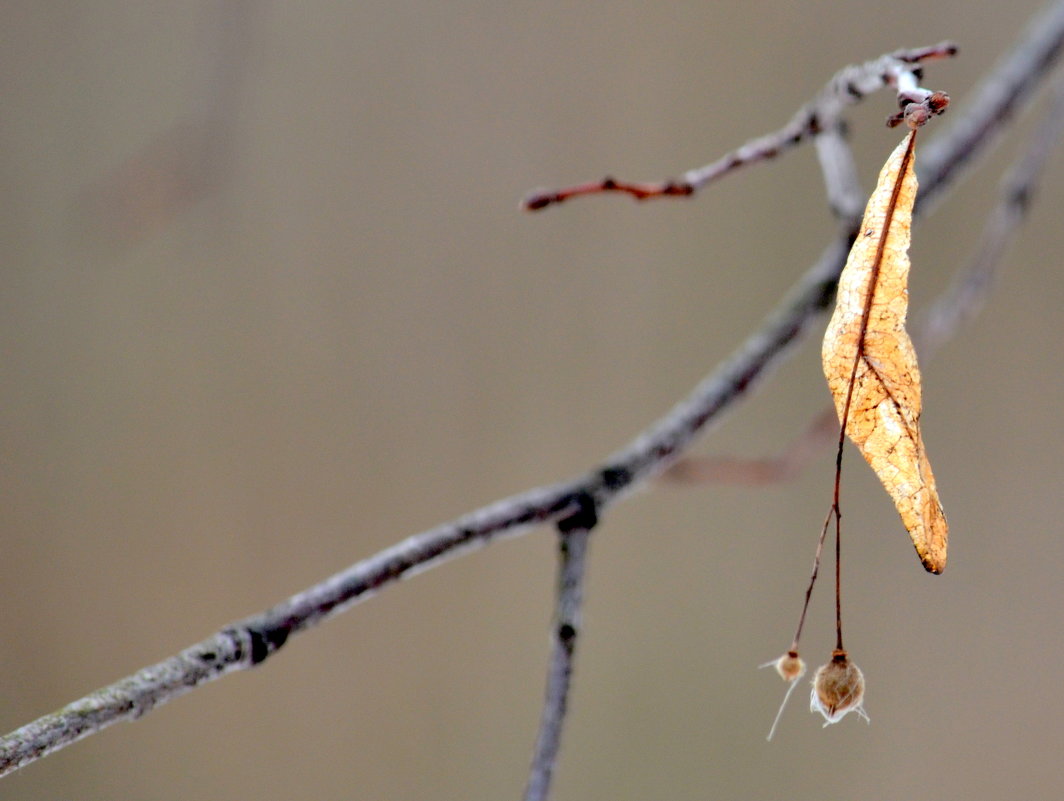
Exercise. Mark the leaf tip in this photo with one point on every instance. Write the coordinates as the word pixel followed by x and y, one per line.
pixel 933 563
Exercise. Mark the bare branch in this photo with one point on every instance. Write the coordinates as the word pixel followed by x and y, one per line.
pixel 245 644
pixel 847 87
pixel 249 642
pixel 573 539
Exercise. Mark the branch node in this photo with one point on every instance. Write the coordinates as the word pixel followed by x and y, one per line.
pixel 567 635
pixel 265 641
pixel 585 518
pixel 916 113
pixel 615 478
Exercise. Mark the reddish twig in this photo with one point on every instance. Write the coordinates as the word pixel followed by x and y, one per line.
pixel 847 87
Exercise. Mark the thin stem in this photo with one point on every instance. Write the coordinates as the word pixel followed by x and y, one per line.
pixel 812 580
pixel 835 509
pixel 838 577
pixel 873 281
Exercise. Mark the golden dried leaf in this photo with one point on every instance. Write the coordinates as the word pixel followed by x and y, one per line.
pixel 870 363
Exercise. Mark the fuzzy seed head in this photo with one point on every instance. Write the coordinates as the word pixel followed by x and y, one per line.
pixel 790 666
pixel 838 688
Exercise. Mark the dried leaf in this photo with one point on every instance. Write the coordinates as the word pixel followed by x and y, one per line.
pixel 870 363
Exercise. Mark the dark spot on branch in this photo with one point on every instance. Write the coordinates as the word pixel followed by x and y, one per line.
pixel 673 187
pixel 527 515
pixel 1022 198
pixel 585 518
pixel 237 639
pixel 566 634
pixel 615 478
pixel 265 641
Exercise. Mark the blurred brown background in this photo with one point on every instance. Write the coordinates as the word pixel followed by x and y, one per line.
pixel 269 306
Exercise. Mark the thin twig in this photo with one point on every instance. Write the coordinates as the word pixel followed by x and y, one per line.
pixel 847 87
pixel 247 643
pixel 784 466
pixel 572 543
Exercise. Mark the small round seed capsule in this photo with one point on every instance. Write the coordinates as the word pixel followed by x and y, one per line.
pixel 838 688
pixel 791 668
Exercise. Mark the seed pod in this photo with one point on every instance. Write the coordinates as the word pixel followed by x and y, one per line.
pixel 838 688
pixel 791 668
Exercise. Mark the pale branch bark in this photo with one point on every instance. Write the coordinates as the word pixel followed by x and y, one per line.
pixel 841 184
pixel 847 87
pixel 572 544
pixel 247 643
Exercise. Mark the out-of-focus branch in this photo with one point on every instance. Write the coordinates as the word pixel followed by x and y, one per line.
pixel 967 293
pixel 247 643
pixel 1005 90
pixel 821 433
pixel 188 161
pixel 848 86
